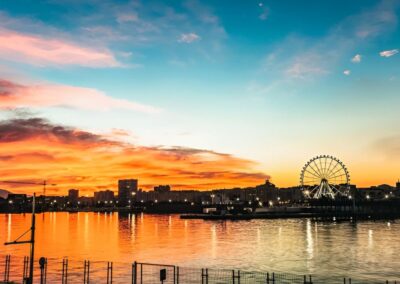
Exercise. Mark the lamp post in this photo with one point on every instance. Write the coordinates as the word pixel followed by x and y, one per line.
pixel 31 241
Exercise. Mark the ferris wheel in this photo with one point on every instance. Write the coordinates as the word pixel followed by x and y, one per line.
pixel 325 176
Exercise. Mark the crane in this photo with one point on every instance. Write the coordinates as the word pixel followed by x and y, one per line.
pixel 31 229
pixel 44 183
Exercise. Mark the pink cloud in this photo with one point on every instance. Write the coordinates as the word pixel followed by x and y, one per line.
pixel 14 95
pixel 41 51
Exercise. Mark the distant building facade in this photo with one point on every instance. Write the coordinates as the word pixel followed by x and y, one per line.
pixel 73 196
pixel 127 190
pixel 104 196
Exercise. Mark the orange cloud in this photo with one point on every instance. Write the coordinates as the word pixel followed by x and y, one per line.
pixel 35 149
pixel 14 95
pixel 41 51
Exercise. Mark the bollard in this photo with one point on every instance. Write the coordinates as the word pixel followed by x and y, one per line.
pixel 43 269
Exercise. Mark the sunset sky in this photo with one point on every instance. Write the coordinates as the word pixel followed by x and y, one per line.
pixel 197 94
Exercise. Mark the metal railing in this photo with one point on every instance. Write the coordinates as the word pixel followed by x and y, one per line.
pixel 14 269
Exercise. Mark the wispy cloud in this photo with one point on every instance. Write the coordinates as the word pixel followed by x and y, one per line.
pixel 189 38
pixel 347 72
pixel 15 95
pixel 42 51
pixel 388 53
pixel 264 12
pixel 127 17
pixel 73 157
pixel 301 57
pixel 389 146
pixel 356 58
pixel 305 66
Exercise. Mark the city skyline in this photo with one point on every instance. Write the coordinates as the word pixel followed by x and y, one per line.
pixel 185 94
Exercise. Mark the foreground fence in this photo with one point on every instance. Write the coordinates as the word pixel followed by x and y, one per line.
pixel 15 270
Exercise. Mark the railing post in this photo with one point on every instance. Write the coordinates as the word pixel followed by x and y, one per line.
pixel 233 276
pixel 177 275
pixel 310 279
pixel 86 272
pixel 305 279
pixel 267 277
pixel 141 273
pixel 25 269
pixel 134 273
pixel 45 271
pixel 7 269
pixel 204 276
pixel 238 276
pixel 273 277
pixel 109 272
pixel 64 274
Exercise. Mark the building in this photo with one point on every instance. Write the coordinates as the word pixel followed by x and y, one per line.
pixel 73 196
pixel 127 190
pixel 104 196
pixel 398 185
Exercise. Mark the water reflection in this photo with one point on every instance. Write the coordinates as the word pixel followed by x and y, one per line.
pixel 297 245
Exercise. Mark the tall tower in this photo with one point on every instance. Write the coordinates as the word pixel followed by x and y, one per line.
pixel 127 188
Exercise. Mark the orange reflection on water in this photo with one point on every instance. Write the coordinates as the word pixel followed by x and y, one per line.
pixel 293 245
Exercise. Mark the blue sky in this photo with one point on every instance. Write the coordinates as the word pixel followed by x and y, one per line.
pixel 276 82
